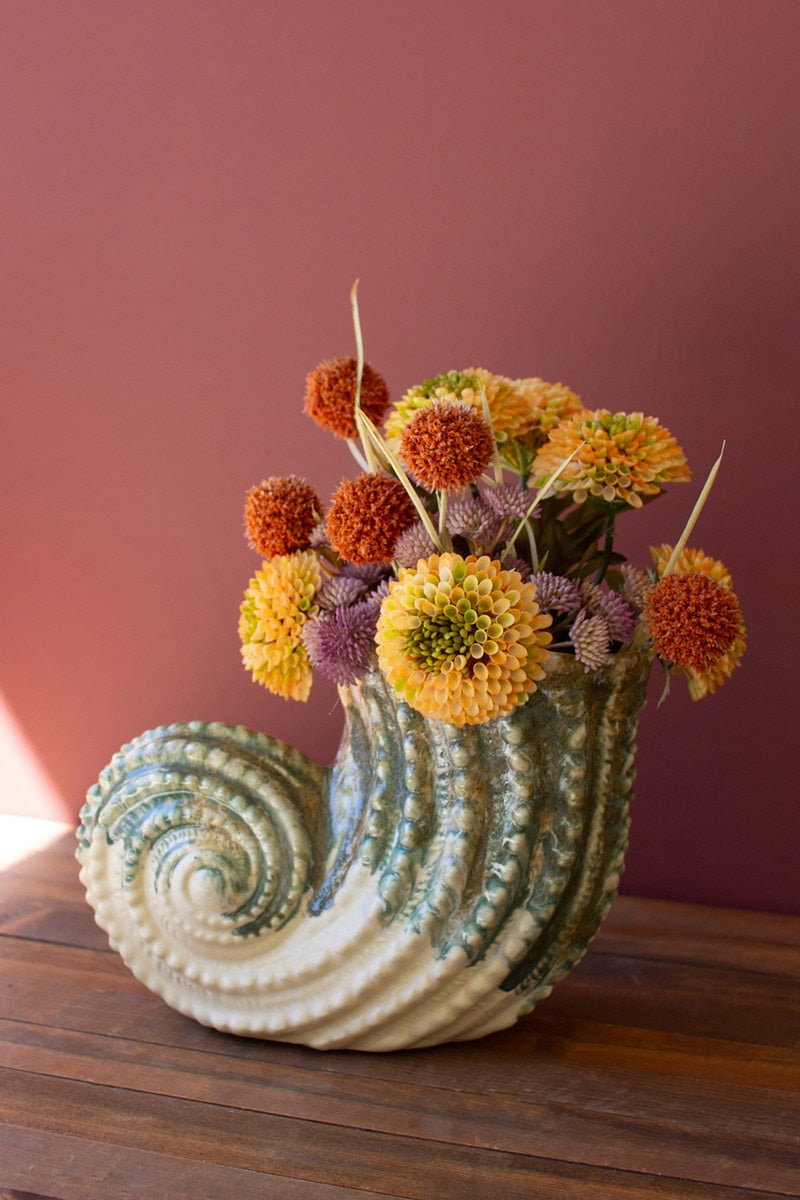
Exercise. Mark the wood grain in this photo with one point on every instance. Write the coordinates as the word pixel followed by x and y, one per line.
pixel 666 1065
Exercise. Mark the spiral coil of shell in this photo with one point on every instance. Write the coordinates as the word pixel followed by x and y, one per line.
pixel 431 885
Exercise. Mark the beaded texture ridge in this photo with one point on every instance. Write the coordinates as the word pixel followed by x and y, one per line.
pixel 432 885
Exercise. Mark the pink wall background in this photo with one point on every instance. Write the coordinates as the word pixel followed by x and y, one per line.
pixel 604 194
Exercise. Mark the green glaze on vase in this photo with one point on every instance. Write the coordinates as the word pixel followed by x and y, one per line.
pixel 430 886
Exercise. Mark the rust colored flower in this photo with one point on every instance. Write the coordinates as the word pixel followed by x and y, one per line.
pixel 509 409
pixel 280 598
pixel 366 517
pixel 280 515
pixel 697 626
pixel 461 639
pixel 626 456
pixel 331 392
pixel 446 445
pixel 693 620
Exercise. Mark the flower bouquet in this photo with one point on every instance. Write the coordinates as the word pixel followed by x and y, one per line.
pixel 477 541
pixel 491 645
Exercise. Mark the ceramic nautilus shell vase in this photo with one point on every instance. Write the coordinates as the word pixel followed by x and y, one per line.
pixel 432 885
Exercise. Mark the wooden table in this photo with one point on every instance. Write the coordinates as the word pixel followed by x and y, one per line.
pixel 666 1065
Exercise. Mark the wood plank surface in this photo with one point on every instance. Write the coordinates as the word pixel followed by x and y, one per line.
pixel 667 1064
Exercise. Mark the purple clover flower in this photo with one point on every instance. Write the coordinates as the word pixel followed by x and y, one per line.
pixel 589 636
pixel 341 643
pixel 620 615
pixel 556 593
pixel 413 544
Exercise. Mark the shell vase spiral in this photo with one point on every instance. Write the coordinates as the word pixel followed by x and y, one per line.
pixel 430 886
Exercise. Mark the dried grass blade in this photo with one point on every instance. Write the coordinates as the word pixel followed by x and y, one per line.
pixel 695 513
pixel 369 461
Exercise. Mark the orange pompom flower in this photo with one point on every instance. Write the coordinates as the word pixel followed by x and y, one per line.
pixel 331 396
pixel 461 639
pixel 280 514
pixel 366 517
pixel 509 409
pixel 695 620
pixel 446 445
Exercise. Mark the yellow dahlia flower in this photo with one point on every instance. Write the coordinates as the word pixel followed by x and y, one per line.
pixel 461 639
pixel 278 602
pixel 548 403
pixel 678 630
pixel 626 456
pixel 692 560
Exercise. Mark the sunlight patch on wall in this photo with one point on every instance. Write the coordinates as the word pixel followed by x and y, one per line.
pixel 25 786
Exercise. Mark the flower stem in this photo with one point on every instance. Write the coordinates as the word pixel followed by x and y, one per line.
pixel 533 549
pixel 608 547
pixel 357 455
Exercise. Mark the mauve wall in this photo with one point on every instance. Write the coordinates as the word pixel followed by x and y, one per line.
pixel 601 193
